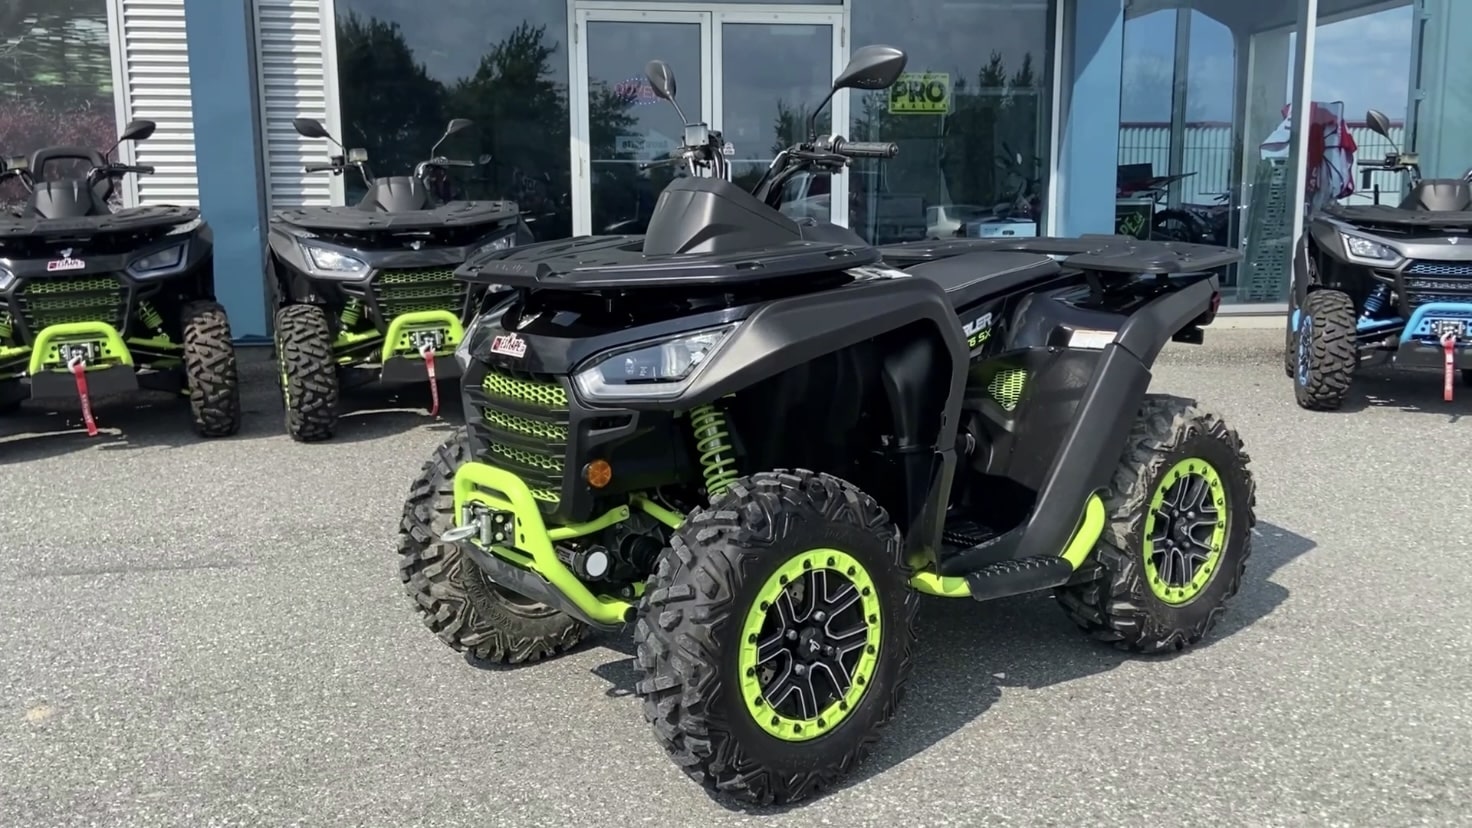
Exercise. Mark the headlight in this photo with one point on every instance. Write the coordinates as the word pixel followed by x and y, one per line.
pixel 325 262
pixel 1362 249
pixel 166 259
pixel 6 277
pixel 655 369
pixel 506 242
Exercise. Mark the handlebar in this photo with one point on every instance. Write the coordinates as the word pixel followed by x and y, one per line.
pixel 866 149
pixel 140 169
pixel 313 168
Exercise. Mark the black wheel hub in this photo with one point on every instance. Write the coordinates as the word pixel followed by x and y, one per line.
pixel 1184 522
pixel 810 644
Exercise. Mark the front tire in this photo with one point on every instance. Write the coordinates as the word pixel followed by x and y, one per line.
pixel 750 690
pixel 1181 513
pixel 1326 356
pixel 12 396
pixel 209 370
pixel 451 594
pixel 309 385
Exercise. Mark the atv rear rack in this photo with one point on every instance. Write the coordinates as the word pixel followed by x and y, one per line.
pixel 1099 253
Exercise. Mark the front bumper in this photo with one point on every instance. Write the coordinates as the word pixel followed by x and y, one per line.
pixel 1420 342
pixel 500 527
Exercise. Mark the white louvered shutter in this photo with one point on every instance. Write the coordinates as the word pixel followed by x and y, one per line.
pixel 292 66
pixel 155 67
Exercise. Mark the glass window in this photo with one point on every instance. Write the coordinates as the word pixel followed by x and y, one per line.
pixel 404 73
pixel 55 81
pixel 970 117
pixel 1200 158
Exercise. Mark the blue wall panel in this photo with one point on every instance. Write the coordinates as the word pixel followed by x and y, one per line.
pixel 221 38
pixel 1089 156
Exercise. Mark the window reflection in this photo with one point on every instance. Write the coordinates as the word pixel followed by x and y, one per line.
pixel 970 118
pixel 404 72
pixel 55 83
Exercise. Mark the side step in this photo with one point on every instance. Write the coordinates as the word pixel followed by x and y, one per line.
pixel 1008 578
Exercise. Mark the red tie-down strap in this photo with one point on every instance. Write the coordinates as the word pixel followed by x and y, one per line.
pixel 427 351
pixel 79 372
pixel 1449 360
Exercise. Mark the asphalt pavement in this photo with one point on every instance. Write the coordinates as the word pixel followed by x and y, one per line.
pixel 213 633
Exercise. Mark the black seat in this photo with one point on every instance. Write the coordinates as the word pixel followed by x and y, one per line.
pixel 971 277
pixel 1439 195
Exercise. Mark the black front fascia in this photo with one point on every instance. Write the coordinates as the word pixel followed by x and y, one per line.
pixel 121 302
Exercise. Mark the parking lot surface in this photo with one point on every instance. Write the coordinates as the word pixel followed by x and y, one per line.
pixel 213 633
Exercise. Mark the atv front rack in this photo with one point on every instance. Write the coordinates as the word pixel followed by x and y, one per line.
pixel 128 220
pixel 356 220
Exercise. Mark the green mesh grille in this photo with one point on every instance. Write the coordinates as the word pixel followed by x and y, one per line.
pixel 414 291
pixel 541 394
pixel 556 432
pixel 542 469
pixel 47 302
pixel 1006 387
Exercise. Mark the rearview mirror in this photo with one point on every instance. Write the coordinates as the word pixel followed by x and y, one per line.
pixel 309 128
pixel 138 130
pixel 1377 121
pixel 357 155
pixel 457 124
pixel 662 78
pixel 871 68
pixel 484 159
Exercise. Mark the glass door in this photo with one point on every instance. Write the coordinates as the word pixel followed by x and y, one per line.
pixel 753 75
pixel 619 122
pixel 771 71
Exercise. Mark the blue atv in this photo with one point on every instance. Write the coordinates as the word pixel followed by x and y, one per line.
pixel 1376 283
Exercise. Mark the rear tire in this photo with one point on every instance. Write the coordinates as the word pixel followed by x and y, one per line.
pixel 716 664
pixel 308 379
pixel 1326 356
pixel 209 370
pixel 1152 598
pixel 453 598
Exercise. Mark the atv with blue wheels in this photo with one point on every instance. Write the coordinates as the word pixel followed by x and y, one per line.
pixel 97 300
pixel 1381 283
pixel 759 442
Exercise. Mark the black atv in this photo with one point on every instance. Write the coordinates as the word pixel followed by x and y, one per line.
pixel 759 441
pixel 101 301
pixel 1376 283
pixel 367 293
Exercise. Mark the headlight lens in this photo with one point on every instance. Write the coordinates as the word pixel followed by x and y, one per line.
pixel 506 242
pixel 6 277
pixel 332 263
pixel 165 259
pixel 654 369
pixel 1359 247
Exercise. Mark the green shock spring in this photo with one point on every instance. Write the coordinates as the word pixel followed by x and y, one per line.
pixel 712 441
pixel 150 315
pixel 351 313
pixel 5 329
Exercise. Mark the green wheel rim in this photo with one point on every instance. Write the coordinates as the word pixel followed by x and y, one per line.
pixel 810 645
pixel 1185 531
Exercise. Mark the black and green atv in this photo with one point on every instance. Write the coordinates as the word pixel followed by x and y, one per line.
pixel 759 441
pixel 98 301
pixel 366 293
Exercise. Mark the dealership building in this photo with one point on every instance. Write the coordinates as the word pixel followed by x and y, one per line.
pixel 1054 117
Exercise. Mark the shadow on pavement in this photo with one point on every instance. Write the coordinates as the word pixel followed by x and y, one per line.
pixel 967 652
pixel 149 419
pixel 1412 391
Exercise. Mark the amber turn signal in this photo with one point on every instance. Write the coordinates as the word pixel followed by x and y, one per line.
pixel 598 473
